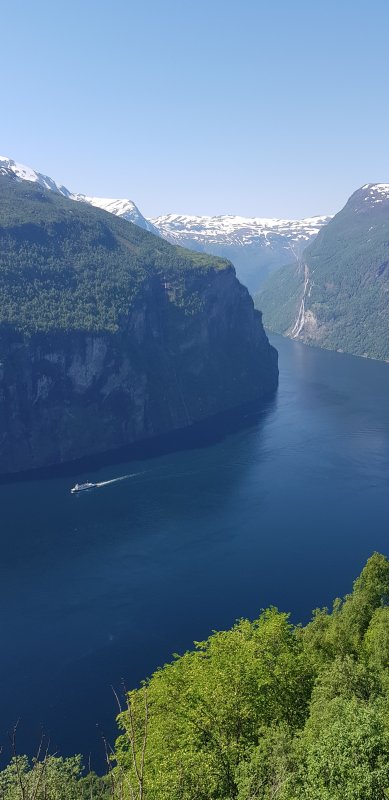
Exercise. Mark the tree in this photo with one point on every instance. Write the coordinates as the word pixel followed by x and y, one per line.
pixel 346 745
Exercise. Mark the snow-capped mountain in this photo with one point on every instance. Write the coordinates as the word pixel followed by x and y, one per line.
pixel 337 297
pixel 373 193
pixel 10 167
pixel 256 246
pixel 122 208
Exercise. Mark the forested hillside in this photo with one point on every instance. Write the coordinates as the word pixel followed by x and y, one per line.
pixel 265 710
pixel 133 336
pixel 336 297
pixel 67 266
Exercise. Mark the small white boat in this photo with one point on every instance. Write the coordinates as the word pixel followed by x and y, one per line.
pixel 83 487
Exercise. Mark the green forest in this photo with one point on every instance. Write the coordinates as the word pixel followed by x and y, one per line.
pixel 268 710
pixel 65 265
pixel 348 284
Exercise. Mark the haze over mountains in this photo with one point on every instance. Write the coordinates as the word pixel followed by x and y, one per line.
pixel 256 246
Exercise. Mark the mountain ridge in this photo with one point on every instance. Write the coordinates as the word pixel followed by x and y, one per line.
pixel 238 227
pixel 255 245
pixel 110 335
pixel 119 207
pixel 336 296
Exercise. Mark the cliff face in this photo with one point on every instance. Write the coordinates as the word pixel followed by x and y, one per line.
pixel 186 350
pixel 337 296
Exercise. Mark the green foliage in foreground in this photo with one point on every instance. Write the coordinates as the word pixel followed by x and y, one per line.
pixel 264 711
pixel 269 710
pixel 50 778
pixel 65 265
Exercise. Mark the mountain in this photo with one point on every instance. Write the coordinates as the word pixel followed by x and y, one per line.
pixel 337 295
pixel 111 335
pixel 125 209
pixel 256 246
pixel 121 208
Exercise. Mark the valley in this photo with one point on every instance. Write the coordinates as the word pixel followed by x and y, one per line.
pixel 194 417
pixel 110 335
pixel 255 246
pixel 282 508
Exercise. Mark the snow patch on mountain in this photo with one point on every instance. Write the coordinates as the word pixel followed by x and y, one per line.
pixel 376 192
pixel 236 229
pixel 255 245
pixel 23 173
pixel 121 208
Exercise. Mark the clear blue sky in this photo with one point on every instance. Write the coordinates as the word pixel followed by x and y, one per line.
pixel 199 106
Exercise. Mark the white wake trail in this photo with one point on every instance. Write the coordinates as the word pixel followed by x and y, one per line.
pixel 116 480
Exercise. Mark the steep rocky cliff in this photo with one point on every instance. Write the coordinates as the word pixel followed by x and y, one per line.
pixel 109 335
pixel 337 296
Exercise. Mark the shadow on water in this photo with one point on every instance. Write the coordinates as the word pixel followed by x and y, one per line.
pixel 280 504
pixel 106 586
pixel 201 434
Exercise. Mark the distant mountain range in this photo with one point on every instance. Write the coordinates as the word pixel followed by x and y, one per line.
pixel 337 296
pixel 256 246
pixel 324 280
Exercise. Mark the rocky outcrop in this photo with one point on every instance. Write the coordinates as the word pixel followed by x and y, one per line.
pixel 181 355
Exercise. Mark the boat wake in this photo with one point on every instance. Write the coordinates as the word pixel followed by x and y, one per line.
pixel 86 487
pixel 116 480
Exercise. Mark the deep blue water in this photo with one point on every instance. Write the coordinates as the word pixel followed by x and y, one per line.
pixel 104 587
